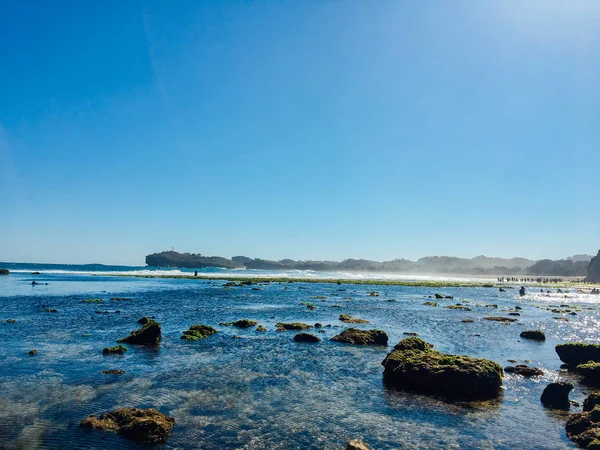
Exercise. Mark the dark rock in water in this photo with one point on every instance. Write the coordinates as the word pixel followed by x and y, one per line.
pixel 144 320
pixel 594 270
pixel 430 304
pixel 431 372
pixel 292 326
pixel 4 272
pixel 524 370
pixel 518 307
pixel 584 428
pixel 51 310
pixel 514 314
pixel 413 343
pixel 439 296
pixel 33 352
pixel 242 323
pixel 576 353
pixel 534 335
pixel 556 395
pixel 590 371
pixel 347 318
pixel 306 337
pixel 35 273
pixel 261 328
pixel 118 350
pixel 502 290
pixel 357 445
pixel 318 325
pixel 149 334
pixel 410 333
pixel 198 332
pixel 467 321
pixel 362 337
pixel 11 321
pixel 459 307
pixel 113 372
pixel 501 319
pixel 147 426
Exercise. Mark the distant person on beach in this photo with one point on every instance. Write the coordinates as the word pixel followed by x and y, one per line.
pixel 195 273
pixel 522 291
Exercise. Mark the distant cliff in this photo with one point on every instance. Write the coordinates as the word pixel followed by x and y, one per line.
pixel 594 270
pixel 480 265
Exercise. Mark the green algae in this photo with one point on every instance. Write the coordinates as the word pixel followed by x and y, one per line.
pixel 198 332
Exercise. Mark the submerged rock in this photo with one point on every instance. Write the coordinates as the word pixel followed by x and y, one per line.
pixel 113 372
pixel 347 318
pixel 4 272
pixel 292 326
pixel 501 319
pixel 149 334
pixel 534 335
pixel 118 350
pixel 147 426
pixel 584 428
pixel 362 337
pixel 415 367
pixel 261 328
pixel 33 352
pixel 576 353
pixel 306 337
pixel 430 304
pixel 524 370
pixel 556 395
pixel 198 332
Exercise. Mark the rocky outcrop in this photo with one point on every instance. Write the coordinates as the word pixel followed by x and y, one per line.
pixel 198 332
pixel 418 368
pixel 282 326
pixel 4 272
pixel 556 395
pixel 146 426
pixel 584 428
pixel 575 353
pixel 362 337
pixel 116 350
pixel 413 343
pixel 347 318
pixel 534 335
pixel 149 334
pixel 524 370
pixel 306 337
pixel 500 319
pixel 590 371
pixel 357 444
pixel 242 323
pixel 593 275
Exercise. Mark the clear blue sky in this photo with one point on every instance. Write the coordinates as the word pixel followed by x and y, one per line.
pixel 299 129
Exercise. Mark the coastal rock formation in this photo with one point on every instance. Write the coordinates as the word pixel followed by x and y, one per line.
pixel 500 319
pixel 593 275
pixel 242 323
pixel 4 272
pixel 416 367
pixel 113 372
pixel 149 334
pixel 362 337
pixel 413 343
pixel 556 395
pixel 584 428
pixel 357 445
pixel 306 337
pixel 116 350
pixel 146 426
pixel 524 370
pixel 198 332
pixel 281 326
pixel 575 353
pixel 590 371
pixel 534 335
pixel 347 318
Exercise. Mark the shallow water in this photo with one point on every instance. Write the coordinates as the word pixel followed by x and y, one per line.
pixel 264 390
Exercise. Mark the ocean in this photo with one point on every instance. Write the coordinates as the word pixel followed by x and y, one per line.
pixel 264 390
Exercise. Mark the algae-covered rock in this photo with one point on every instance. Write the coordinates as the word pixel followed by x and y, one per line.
pixel 4 272
pixel 556 395
pixel 117 349
pixel 584 428
pixel 33 352
pixel 147 426
pixel 347 318
pixel 524 370
pixel 590 371
pixel 576 353
pixel 149 334
pixel 11 321
pixel 51 310
pixel 306 337
pixel 420 369
pixel 93 300
pixel 198 332
pixel 413 343
pixel 430 303
pixel 144 320
pixel 501 319
pixel 113 372
pixel 242 323
pixel 292 326
pixel 261 328
pixel 458 306
pixel 534 335
pixel 362 337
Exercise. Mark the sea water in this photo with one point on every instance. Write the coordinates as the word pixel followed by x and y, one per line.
pixel 264 390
